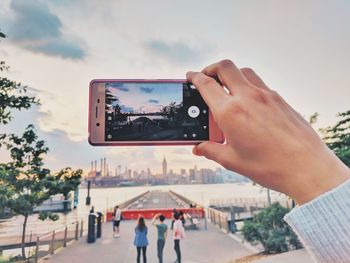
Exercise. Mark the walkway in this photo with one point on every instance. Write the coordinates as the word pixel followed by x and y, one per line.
pixel 156 199
pixel 199 246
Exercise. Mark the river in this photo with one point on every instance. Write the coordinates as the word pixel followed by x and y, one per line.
pixel 103 198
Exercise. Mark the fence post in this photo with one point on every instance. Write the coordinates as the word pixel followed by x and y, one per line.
pixel 30 243
pixel 227 225
pixel 76 230
pixel 36 250
pixel 52 243
pixel 81 228
pixel 65 237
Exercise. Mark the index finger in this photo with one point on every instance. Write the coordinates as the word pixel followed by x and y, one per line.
pixel 212 92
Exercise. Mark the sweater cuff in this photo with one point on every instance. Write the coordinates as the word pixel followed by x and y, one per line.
pixel 323 224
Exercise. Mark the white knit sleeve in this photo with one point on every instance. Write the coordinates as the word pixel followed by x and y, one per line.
pixel 323 225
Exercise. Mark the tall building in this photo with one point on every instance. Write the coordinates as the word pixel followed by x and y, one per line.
pixel 165 168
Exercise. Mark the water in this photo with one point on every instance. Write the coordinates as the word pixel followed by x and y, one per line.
pixel 104 198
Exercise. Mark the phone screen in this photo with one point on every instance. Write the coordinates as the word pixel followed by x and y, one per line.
pixel 154 112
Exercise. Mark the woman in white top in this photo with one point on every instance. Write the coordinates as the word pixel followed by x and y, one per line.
pixel 179 233
pixel 116 221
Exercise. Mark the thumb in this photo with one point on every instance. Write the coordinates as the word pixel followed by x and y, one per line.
pixel 220 153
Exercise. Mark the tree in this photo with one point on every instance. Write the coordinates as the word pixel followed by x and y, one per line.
pixel 12 96
pixel 64 182
pixel 24 182
pixel 110 99
pixel 269 228
pixel 24 175
pixel 337 137
pixel 29 184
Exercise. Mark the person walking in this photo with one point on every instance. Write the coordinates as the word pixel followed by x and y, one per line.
pixel 179 233
pixel 162 230
pixel 116 221
pixel 141 241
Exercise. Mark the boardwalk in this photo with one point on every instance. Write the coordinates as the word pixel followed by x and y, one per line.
pixel 199 246
pixel 156 199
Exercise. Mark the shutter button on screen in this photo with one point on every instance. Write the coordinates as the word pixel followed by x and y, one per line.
pixel 193 111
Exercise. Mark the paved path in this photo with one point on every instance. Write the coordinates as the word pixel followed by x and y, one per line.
pixel 199 246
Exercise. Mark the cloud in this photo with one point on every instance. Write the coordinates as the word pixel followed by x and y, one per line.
pixel 58 47
pixel 176 52
pixel 146 89
pixel 35 28
pixel 126 108
pixel 118 86
pixel 153 101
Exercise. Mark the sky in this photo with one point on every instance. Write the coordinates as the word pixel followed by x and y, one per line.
pixel 56 47
pixel 145 97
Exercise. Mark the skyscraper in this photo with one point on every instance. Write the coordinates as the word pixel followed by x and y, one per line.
pixel 165 169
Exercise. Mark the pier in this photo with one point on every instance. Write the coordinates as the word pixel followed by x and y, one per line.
pixel 206 243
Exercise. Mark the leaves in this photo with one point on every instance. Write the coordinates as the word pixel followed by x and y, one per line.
pixel 12 97
pixel 29 183
pixel 269 228
pixel 337 137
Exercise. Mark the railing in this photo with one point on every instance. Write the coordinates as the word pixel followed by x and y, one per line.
pixel 219 218
pixel 41 246
pixel 249 202
pixel 186 200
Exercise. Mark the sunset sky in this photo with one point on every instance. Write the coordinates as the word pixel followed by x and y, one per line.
pixel 145 97
pixel 56 47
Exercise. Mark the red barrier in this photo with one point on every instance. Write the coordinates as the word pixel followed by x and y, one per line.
pixel 150 213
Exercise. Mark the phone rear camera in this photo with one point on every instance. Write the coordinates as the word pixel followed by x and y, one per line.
pixel 97 124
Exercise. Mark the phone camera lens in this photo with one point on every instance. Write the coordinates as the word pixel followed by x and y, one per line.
pixel 97 124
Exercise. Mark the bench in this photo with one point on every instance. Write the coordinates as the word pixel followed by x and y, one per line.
pixel 193 222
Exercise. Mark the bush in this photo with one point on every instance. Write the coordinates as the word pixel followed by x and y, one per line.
pixel 269 228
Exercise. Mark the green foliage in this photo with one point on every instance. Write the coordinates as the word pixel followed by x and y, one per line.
pixel 6 259
pixel 27 182
pixel 24 175
pixel 269 228
pixel 24 182
pixel 337 137
pixel 65 181
pixel 48 215
pixel 12 96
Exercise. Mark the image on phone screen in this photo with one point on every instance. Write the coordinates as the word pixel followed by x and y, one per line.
pixel 154 112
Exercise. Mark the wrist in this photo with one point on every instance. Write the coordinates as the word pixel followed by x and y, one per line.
pixel 326 174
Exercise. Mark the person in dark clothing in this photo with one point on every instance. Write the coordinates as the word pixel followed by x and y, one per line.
pixel 162 230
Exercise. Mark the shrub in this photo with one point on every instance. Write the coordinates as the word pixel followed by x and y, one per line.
pixel 269 228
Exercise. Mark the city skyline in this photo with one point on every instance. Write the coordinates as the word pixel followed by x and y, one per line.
pixel 103 177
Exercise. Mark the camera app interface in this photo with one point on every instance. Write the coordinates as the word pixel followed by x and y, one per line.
pixel 154 112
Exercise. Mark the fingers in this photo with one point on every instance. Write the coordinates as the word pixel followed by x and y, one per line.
pixel 220 153
pixel 253 78
pixel 211 91
pixel 228 74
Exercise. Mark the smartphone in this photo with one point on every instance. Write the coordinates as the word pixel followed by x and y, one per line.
pixel 149 112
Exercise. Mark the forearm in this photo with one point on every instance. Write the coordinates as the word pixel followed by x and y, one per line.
pixel 323 225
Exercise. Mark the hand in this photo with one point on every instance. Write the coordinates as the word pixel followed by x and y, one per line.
pixel 266 139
